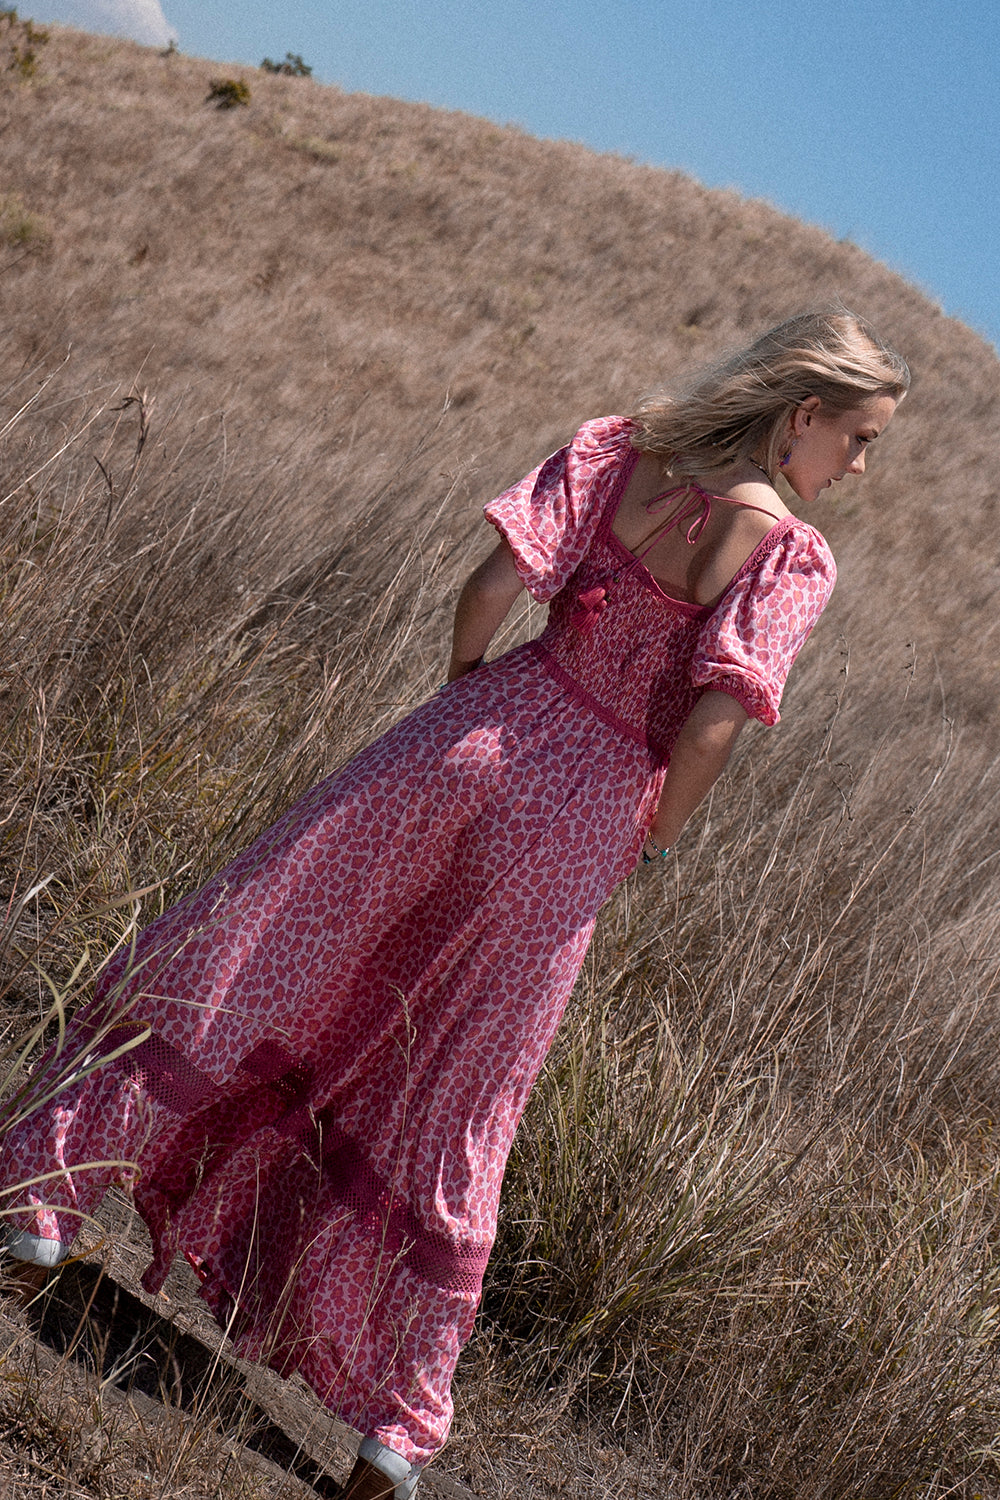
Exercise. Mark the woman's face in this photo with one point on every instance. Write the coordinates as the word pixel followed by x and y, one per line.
pixel 829 445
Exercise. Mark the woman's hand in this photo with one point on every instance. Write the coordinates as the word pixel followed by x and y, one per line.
pixel 460 669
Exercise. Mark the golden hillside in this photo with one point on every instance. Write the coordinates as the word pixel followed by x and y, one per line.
pixel 329 269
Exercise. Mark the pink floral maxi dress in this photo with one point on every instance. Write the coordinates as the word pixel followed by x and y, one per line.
pixel 347 1021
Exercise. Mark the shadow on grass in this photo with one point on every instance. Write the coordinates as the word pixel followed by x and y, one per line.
pixel 87 1317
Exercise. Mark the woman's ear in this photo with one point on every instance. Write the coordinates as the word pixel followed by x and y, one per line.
pixel 803 414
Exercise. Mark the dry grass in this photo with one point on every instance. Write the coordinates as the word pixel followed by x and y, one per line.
pixel 748 1245
pixel 58 1438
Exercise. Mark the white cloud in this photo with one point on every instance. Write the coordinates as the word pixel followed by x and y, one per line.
pixel 142 20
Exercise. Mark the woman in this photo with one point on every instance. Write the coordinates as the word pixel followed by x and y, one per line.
pixel 346 1022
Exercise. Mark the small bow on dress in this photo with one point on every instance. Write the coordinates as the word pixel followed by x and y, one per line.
pixel 591 604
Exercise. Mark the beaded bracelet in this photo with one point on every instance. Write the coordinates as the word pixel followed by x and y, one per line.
pixel 661 852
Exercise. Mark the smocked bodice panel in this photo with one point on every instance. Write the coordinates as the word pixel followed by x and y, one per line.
pixel 632 663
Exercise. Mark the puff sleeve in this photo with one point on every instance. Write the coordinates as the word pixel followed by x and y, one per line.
pixel 747 646
pixel 551 517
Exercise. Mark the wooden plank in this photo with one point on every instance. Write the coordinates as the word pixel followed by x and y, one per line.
pixel 152 1353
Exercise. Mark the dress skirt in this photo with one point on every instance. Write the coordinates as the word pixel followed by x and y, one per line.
pixel 345 1026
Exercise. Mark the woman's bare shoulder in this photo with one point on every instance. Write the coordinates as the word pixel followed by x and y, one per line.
pixel 756 498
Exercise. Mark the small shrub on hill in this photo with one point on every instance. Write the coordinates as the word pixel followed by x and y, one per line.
pixel 19 44
pixel 316 147
pixel 228 93
pixel 292 67
pixel 19 226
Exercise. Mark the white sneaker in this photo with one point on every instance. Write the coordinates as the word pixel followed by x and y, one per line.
pixel 20 1245
pixel 393 1465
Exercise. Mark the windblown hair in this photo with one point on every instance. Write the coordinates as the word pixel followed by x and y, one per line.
pixel 740 407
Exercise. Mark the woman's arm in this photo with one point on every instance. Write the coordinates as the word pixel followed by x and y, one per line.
pixel 487 598
pixel 698 760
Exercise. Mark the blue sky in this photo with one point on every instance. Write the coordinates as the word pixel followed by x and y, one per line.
pixel 878 122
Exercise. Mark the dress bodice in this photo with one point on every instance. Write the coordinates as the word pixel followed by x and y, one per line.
pixel 631 664
pixel 629 652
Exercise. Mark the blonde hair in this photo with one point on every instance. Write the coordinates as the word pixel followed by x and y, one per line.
pixel 740 407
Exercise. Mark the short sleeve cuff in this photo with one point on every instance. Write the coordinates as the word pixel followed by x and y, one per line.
pixel 749 694
pixel 531 567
